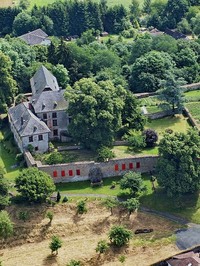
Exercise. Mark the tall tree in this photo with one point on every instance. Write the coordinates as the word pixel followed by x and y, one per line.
pixel 148 70
pixel 178 166
pixel 96 110
pixel 172 93
pixel 7 83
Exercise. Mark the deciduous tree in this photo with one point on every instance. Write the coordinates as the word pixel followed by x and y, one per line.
pixel 178 166
pixel 34 185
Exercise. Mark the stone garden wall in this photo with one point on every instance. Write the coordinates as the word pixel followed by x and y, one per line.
pixel 78 171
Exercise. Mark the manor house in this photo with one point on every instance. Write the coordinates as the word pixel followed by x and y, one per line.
pixel 43 117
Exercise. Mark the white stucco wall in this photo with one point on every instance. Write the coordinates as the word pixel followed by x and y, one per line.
pixel 42 144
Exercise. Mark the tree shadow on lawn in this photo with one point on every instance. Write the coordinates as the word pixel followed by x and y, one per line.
pixel 187 206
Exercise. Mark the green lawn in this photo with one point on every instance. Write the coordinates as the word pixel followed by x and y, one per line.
pixel 194 109
pixel 158 200
pixel 192 96
pixel 124 151
pixel 177 123
pixel 83 187
pixel 7 156
pixel 126 3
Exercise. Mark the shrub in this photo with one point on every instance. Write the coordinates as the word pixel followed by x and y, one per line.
pixel 55 244
pixel 119 235
pixel 74 263
pixel 102 246
pixel 135 139
pixel 122 258
pixel 50 215
pixel 104 154
pixel 19 157
pixel 54 158
pixel 81 207
pixel 30 148
pixel 23 215
pixel 6 226
pixel 58 197
pixel 150 136
pixel 65 199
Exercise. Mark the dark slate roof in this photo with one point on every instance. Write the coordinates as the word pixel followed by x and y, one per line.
pixel 34 37
pixel 43 80
pixel 175 34
pixel 49 101
pixel 25 122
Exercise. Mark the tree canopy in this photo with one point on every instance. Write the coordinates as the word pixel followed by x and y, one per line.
pixel 178 166
pixel 96 110
pixel 34 185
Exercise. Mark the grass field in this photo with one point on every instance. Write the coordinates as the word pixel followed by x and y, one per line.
pixel 192 96
pixel 5 3
pixel 7 158
pixel 194 109
pixel 177 123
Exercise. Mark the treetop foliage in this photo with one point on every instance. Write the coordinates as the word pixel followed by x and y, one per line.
pixel 178 166
pixel 34 185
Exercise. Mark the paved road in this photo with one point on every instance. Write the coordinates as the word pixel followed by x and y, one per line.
pixel 186 238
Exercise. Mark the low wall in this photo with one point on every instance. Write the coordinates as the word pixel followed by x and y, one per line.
pixel 79 171
pixel 191 87
pixel 161 114
pixel 191 119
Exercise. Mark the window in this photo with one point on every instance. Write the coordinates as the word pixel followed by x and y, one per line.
pixel 123 166
pixel 40 137
pixel 44 116
pixel 55 123
pixel 78 172
pixel 70 173
pixel 31 139
pixel 55 174
pixel 62 173
pixel 116 167
pixel 54 115
pixel 36 148
pixel 130 165
pixel 55 132
pixel 138 165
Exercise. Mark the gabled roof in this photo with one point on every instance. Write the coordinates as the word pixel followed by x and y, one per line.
pixel 176 34
pixel 43 80
pixel 34 37
pixel 25 122
pixel 49 101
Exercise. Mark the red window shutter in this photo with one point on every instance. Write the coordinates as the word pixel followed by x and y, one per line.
pixel 62 173
pixel 116 167
pixel 130 165
pixel 123 166
pixel 70 173
pixel 55 174
pixel 138 165
pixel 78 172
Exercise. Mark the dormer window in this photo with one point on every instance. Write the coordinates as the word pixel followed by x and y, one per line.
pixel 22 121
pixel 43 105
pixel 55 104
pixel 34 128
